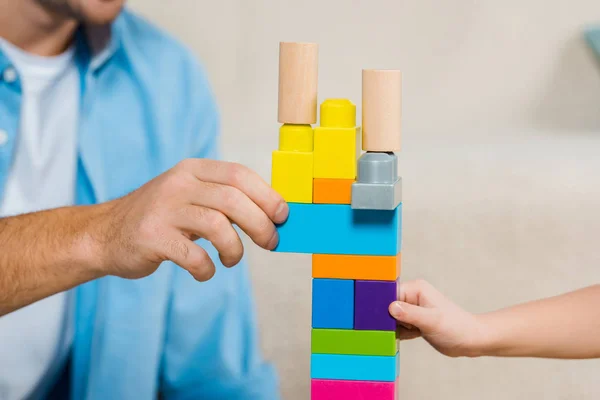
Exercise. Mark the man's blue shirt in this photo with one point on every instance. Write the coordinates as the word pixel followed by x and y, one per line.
pixel 146 105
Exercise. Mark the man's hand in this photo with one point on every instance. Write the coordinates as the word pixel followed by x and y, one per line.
pixel 198 198
pixel 422 311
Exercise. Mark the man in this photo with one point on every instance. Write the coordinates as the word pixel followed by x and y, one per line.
pixel 94 103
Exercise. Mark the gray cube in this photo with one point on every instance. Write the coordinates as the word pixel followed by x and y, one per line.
pixel 378 186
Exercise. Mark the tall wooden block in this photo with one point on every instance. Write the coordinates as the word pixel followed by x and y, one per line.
pixel 381 110
pixel 298 81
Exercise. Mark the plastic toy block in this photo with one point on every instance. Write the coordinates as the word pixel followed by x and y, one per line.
pixel 374 268
pixel 378 186
pixel 332 191
pixel 327 389
pixel 366 343
pixel 354 368
pixel 378 168
pixel 337 140
pixel 371 302
pixel 339 113
pixel 296 138
pixel 336 152
pixel 291 175
pixel 338 229
pixel 333 303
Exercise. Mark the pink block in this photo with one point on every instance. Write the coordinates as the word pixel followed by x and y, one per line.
pixel 325 389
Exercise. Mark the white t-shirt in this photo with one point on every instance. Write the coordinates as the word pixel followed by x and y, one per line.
pixel 35 340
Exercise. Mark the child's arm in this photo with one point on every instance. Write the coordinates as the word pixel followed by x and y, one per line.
pixel 565 326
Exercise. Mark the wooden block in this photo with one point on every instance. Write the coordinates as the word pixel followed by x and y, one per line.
pixel 328 389
pixel 291 175
pixel 333 303
pixel 373 268
pixel 371 302
pixel 354 368
pixel 342 341
pixel 381 110
pixel 298 79
pixel 332 191
pixel 338 229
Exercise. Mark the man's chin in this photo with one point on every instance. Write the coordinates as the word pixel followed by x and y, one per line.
pixel 94 12
pixel 62 7
pixel 99 12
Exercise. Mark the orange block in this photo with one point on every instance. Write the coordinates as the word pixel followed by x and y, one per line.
pixel 332 191
pixel 370 268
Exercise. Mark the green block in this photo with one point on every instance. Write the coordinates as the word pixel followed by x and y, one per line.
pixel 345 341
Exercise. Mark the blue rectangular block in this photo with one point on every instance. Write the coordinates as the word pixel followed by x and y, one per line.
pixel 338 229
pixel 355 368
pixel 333 303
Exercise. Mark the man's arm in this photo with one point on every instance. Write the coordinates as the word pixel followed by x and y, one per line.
pixel 48 252
pixel 565 326
pixel 45 253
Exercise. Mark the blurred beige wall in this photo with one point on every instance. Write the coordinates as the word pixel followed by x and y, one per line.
pixel 501 159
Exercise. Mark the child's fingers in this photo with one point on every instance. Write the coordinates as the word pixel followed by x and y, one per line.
pixel 407 334
pixel 418 292
pixel 404 324
pixel 426 319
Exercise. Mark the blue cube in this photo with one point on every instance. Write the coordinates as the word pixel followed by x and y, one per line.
pixel 333 303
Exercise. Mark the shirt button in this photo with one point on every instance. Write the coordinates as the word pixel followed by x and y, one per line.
pixel 3 137
pixel 10 75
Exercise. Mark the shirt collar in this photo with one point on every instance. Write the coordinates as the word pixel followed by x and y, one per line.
pixel 99 43
pixel 3 63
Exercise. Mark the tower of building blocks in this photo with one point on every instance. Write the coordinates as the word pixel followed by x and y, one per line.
pixel 345 210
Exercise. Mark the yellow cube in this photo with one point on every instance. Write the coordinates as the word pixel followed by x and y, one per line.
pixel 336 152
pixel 292 175
pixel 337 141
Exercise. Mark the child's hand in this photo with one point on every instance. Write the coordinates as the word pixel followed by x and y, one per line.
pixel 422 311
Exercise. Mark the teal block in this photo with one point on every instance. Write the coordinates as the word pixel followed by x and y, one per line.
pixel 333 303
pixel 355 368
pixel 338 229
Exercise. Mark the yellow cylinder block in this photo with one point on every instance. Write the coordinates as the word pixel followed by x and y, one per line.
pixel 296 138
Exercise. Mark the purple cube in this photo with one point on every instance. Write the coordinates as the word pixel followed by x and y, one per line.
pixel 371 302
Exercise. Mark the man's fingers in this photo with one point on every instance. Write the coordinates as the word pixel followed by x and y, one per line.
pixel 189 256
pixel 240 209
pixel 425 319
pixel 242 178
pixel 215 227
